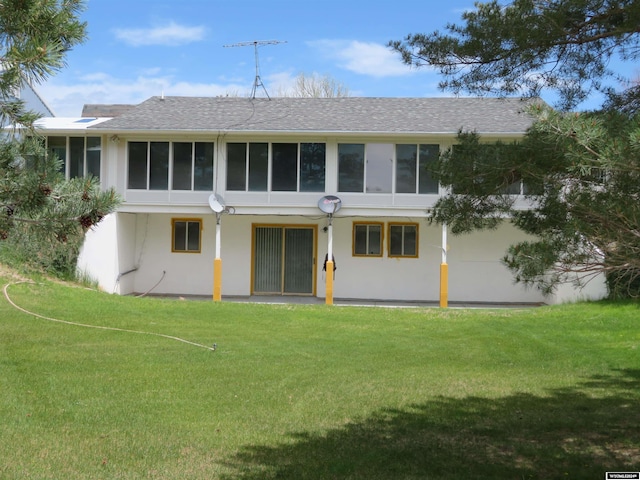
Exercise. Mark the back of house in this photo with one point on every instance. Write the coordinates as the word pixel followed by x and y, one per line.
pixel 267 164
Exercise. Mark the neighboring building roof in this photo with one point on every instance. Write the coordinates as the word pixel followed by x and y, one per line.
pixel 99 110
pixel 67 123
pixel 325 115
pixel 34 101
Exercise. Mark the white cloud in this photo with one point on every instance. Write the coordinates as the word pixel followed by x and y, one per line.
pixel 170 35
pixel 365 58
pixel 67 100
pixel 279 83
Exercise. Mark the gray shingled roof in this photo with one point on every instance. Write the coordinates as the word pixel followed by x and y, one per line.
pixel 326 115
pixel 103 110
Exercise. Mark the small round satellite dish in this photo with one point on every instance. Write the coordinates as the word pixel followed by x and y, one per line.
pixel 329 204
pixel 216 203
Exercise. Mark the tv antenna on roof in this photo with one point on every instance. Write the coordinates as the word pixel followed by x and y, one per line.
pixel 256 43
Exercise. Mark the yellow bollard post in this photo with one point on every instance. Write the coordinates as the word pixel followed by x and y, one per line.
pixel 329 295
pixel 217 280
pixel 444 285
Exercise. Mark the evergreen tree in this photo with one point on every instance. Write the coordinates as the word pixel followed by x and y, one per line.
pixel 579 172
pixel 43 217
pixel 578 175
pixel 568 46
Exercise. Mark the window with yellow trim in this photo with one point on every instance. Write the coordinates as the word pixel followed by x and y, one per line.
pixel 403 239
pixel 186 235
pixel 367 239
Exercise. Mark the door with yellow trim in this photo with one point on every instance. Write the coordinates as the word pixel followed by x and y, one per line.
pixel 283 260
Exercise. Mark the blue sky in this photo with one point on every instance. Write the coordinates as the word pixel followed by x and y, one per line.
pixel 140 48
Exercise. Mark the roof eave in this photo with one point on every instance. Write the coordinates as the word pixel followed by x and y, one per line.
pixel 290 133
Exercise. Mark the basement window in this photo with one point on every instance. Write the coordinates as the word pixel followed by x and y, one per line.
pixel 367 239
pixel 403 240
pixel 186 235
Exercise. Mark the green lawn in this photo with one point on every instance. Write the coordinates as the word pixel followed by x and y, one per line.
pixel 313 392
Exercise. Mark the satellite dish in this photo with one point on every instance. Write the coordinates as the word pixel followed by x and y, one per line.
pixel 216 203
pixel 329 204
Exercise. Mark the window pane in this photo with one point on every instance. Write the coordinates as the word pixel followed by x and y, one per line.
pixel 137 165
pixel 350 167
pixel 428 156
pixel 406 161
pixel 76 157
pixel 94 148
pixel 193 236
pixel 203 173
pixel 182 156
pixel 367 240
pixel 410 246
pixel 285 167
pixel 268 265
pixel 180 236
pixel 159 166
pixel 379 167
pixel 58 148
pixel 375 240
pixel 513 189
pixel 258 167
pixel 395 240
pixel 312 167
pixel 236 166
pixel 360 240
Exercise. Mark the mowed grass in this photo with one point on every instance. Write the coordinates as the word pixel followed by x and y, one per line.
pixel 313 392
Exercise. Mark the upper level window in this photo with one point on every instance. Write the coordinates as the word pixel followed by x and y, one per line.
pixel 284 175
pixel 487 169
pixel 379 168
pixel 365 168
pixel 294 167
pixel 413 163
pixel 312 167
pixel 369 168
pixel 403 239
pixel 350 167
pixel 247 166
pixel 189 164
pixel 80 156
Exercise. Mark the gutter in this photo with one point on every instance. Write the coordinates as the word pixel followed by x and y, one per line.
pixel 321 133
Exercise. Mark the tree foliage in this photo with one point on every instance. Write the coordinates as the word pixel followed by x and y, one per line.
pixel 42 216
pixel 573 184
pixel 579 172
pixel 531 45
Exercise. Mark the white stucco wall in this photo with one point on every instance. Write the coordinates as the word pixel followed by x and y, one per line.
pixel 98 259
pixel 475 271
pixel 106 253
pixel 384 277
pixel 594 289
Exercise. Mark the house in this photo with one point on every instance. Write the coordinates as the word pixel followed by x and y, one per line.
pixel 33 101
pixel 240 181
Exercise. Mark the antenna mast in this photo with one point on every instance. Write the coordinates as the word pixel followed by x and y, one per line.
pixel 257 81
